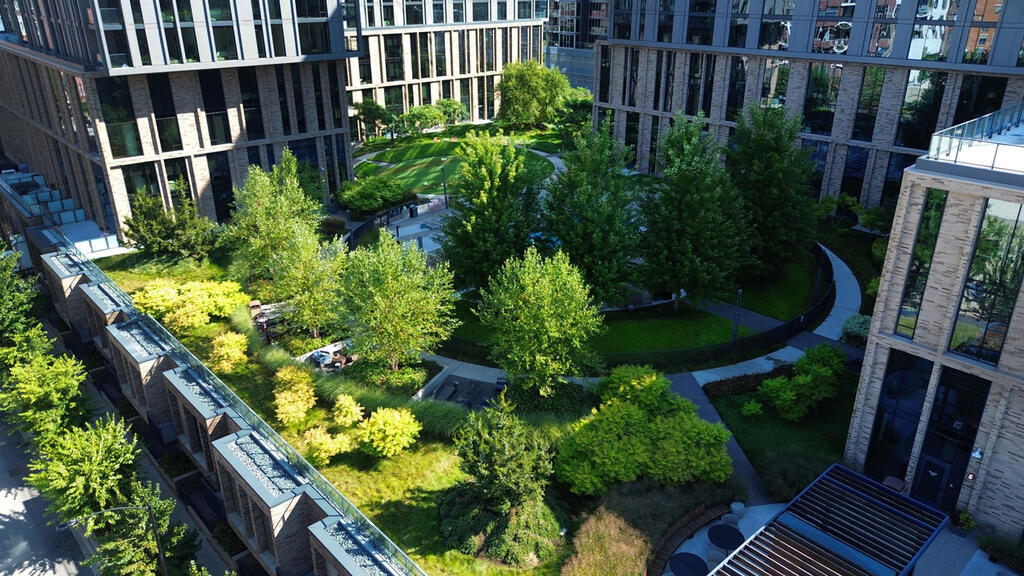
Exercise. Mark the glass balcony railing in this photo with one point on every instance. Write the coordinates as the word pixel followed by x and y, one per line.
pixel 111 16
pixel 994 141
pixel 120 60
pixel 170 135
pixel 220 130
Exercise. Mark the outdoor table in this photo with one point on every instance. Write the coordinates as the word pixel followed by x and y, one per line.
pixel 686 564
pixel 725 537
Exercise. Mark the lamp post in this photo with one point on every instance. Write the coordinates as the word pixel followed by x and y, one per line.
pixel 444 182
pixel 152 520
pixel 739 307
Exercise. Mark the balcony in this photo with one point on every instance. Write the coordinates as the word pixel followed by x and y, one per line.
pixel 118 60
pixel 994 142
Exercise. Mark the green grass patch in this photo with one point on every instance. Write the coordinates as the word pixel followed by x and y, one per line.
pixel 134 270
pixel 783 297
pixel 366 169
pixel 790 455
pixel 426 175
pixel 688 327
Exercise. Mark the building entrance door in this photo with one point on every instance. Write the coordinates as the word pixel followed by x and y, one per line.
pixel 931 480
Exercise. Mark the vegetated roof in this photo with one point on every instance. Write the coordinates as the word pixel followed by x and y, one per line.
pixel 843 523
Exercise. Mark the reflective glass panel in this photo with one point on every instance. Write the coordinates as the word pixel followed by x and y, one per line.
pixel 921 261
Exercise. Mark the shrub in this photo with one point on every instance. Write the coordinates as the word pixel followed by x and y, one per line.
pixel 856 330
pixel 179 232
pixel 828 357
pixel 405 380
pixel 228 351
pixel 785 473
pixel 370 194
pixel 293 394
pixel 346 410
pixel 643 386
pixel 321 445
pixel 872 288
pixel 878 249
pixel 607 544
pixel 816 376
pixel 388 431
pixel 684 448
pixel 189 305
pixel 156 298
pixel 966 520
pixel 752 410
pixel 606 448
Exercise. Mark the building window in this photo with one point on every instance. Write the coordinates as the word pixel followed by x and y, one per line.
pixel 300 107
pixel 737 87
pixel 119 117
pixel 214 107
pixel 993 281
pixel 314 38
pixel 371 14
pixel 481 11
pixel 141 179
pixel 622 19
pixel 220 10
pixel 161 96
pixel 335 92
pixel 979 42
pixel 921 104
pixel 666 19
pixel 387 9
pixel 252 113
pixel 738 32
pixel 440 54
pixel 286 122
pixel 820 103
pixel 882 37
pixel 604 77
pixel 699 84
pixel 853 171
pixel 774 83
pixel 177 180
pixel 393 100
pixel 819 154
pixel 894 176
pixel 220 184
pixel 930 42
pixel 413 12
pixel 393 66
pixel 439 15
pixel 937 9
pixel 867 106
pixel 921 261
pixel 701 24
pixel 899 410
pixel 979 95
pixel 140 36
pixel 224 41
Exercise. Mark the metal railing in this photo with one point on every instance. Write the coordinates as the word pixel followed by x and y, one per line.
pixel 393 557
pixel 949 145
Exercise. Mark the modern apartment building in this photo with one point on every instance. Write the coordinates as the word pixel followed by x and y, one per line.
pixel 873 80
pixel 417 52
pixel 940 408
pixel 107 98
pixel 573 29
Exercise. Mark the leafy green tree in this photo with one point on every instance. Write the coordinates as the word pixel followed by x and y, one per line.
pixel 270 210
pixel 695 220
pixel 641 385
pixel 772 172
pixel 25 346
pixel 577 117
pixel 228 352
pixel 179 232
pixel 425 117
pixel 312 182
pixel 510 461
pixel 388 431
pixel 148 228
pixel 494 199
pixel 540 315
pixel 44 395
pixel 370 193
pixel 531 94
pixel 589 213
pixel 373 116
pixel 87 469
pixel 16 303
pixel 126 541
pixel 311 276
pixel 604 449
pixel 394 304
pixel 685 448
pixel 453 111
pixel 816 376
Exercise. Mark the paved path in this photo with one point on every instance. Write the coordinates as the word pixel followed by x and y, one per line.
pixel 847 298
pixel 754 320
pixel 28 545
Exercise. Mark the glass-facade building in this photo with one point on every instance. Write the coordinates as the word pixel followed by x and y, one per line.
pixel 873 80
pixel 940 407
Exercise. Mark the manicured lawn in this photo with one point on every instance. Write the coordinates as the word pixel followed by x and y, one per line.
pixel 132 271
pixel 789 455
pixel 423 174
pixel 784 296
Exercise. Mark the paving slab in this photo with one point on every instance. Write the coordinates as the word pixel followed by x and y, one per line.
pixel 760 365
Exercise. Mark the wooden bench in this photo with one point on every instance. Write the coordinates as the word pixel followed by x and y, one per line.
pixel 681 531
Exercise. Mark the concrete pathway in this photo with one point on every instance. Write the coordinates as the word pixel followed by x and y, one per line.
pixel 760 365
pixel 847 298
pixel 29 546
pixel 754 320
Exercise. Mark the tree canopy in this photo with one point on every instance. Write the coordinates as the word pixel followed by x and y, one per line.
pixel 16 301
pixel 541 316
pixel 373 116
pixel 453 111
pixel 589 213
pixel 695 220
pixel 494 200
pixel 531 94
pixel 395 305
pixel 772 172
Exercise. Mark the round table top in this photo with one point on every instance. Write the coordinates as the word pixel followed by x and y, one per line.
pixel 725 537
pixel 686 564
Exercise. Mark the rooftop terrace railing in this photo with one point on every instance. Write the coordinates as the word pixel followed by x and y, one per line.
pixel 973 143
pixel 386 552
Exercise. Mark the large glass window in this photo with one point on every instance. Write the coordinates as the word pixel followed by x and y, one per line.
pixel 921 261
pixel 214 107
pixel 604 79
pixel 774 83
pixel 937 9
pixel 141 179
pixel 699 83
pixel 979 42
pixel 979 95
pixel 622 19
pixel 119 116
pixel 820 102
pixel 737 87
pixel 297 99
pixel 921 104
pixel 894 175
pixel 993 281
pixel 413 12
pixel 220 184
pixel 834 27
pixel 867 106
pixel 282 94
pixel 439 15
pixel 853 171
pixel 314 38
pixel 930 42
pixel 250 93
pixel 163 110
pixel 899 411
pixel 393 100
pixel 481 11
pixel 700 27
pixel 440 55
pixel 393 70
pixel 666 18
pixel 224 41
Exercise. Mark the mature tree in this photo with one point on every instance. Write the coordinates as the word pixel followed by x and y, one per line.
pixel 312 182
pixel 494 199
pixel 388 431
pixel 576 118
pixel 25 345
pixel 370 193
pixel 270 210
pixel 189 305
pixel 540 315
pixel 772 172
pixel 531 94
pixel 87 469
pixel 453 110
pixel 394 304
pixel 373 116
pixel 311 275
pixel 43 396
pixel 510 461
pixel 695 220
pixel 425 117
pixel 126 541
pixel 179 232
pixel 589 213
pixel 16 302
